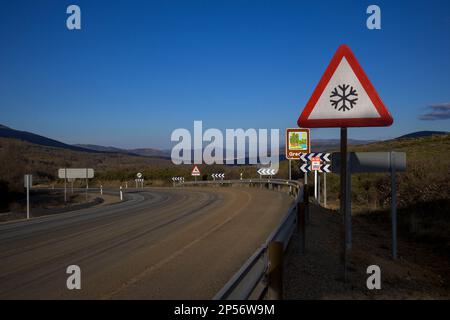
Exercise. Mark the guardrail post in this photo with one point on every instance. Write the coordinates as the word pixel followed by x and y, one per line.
pixel 275 270
pixel 301 227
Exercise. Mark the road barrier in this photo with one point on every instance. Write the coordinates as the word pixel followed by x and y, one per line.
pixel 261 276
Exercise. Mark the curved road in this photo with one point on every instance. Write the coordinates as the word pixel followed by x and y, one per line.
pixel 160 244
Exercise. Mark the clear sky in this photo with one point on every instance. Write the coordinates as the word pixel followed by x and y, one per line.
pixel 139 69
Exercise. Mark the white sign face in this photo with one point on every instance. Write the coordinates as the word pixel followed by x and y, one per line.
pixel 71 173
pixel 28 180
pixel 344 97
pixel 315 164
pixel 139 175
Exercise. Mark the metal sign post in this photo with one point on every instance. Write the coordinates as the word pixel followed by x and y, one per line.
pixel 393 206
pixel 325 189
pixel 344 199
pixel 87 184
pixel 290 173
pixel 315 184
pixel 65 184
pixel 28 199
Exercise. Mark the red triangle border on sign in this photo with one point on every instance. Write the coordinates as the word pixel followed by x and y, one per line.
pixel 385 118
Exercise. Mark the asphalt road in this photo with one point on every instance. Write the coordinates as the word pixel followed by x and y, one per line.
pixel 159 244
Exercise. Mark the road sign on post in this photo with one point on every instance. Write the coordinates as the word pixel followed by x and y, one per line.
pixel 75 173
pixel 344 98
pixel 267 171
pixel 377 162
pixel 195 172
pixel 297 143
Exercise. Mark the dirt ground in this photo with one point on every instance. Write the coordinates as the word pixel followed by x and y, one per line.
pixel 420 272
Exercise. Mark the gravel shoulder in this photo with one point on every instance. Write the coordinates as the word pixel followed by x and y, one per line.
pixel 420 272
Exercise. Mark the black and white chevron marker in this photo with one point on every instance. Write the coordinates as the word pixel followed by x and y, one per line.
pixel 218 176
pixel 305 157
pixel 179 179
pixel 267 171
pixel 323 168
pixel 305 167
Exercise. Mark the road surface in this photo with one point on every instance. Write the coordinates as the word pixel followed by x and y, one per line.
pixel 177 243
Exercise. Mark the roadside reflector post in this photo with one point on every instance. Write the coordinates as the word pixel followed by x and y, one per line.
pixel 121 194
pixel 301 229
pixel 393 206
pixel 275 270
pixel 126 185
pixel 101 189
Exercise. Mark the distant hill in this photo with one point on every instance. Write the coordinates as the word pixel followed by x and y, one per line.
pixel 421 134
pixel 6 132
pixel 327 145
pixel 144 152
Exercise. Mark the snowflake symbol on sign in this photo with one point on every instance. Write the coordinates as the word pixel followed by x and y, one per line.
pixel 343 100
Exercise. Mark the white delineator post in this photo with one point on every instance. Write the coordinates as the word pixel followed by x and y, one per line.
pixel 121 194
pixel 101 189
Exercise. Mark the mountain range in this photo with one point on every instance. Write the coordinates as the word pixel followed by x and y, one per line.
pixel 319 145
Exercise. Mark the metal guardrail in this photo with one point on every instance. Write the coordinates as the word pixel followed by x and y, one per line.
pixel 251 280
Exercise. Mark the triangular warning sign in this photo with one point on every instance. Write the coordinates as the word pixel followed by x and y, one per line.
pixel 195 171
pixel 344 97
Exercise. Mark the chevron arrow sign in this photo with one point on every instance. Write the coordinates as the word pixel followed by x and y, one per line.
pixel 267 171
pixel 218 175
pixel 323 168
pixel 177 179
pixel 305 167
pixel 325 157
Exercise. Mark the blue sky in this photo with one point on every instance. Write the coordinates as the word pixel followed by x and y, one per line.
pixel 139 69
